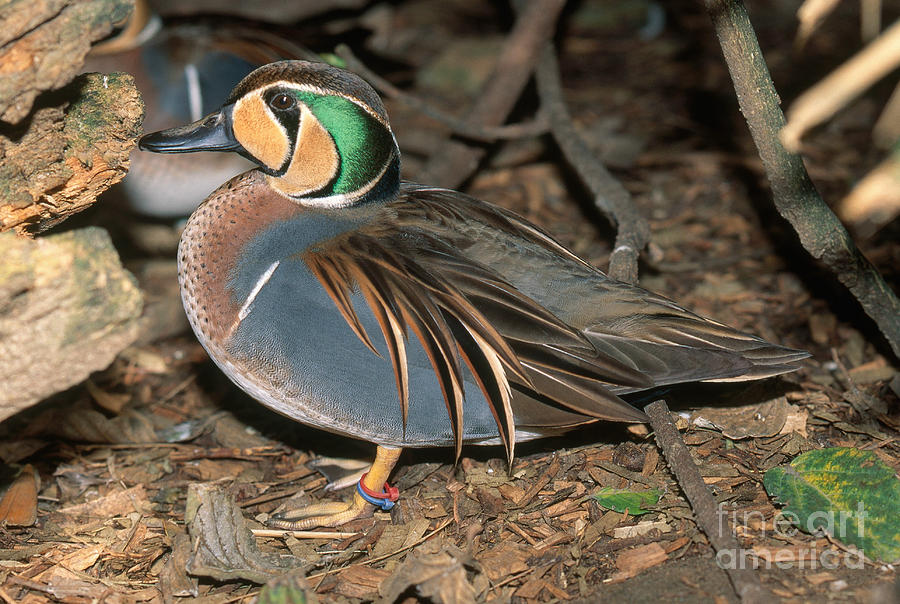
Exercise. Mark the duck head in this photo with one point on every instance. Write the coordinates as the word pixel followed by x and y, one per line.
pixel 320 134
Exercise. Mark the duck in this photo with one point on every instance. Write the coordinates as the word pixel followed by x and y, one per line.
pixel 183 70
pixel 406 315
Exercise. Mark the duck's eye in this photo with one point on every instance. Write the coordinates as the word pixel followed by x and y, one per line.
pixel 281 102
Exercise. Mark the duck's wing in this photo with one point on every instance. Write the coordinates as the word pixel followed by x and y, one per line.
pixel 641 329
pixel 405 264
pixel 674 345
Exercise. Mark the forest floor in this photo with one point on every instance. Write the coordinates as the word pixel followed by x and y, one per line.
pixel 660 111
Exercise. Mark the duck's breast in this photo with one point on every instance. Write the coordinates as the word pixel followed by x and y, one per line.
pixel 268 323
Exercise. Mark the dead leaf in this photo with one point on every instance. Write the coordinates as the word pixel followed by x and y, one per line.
pixel 173 579
pixel 146 360
pixel 360 582
pixel 439 577
pixel 507 558
pixel 18 507
pixel 81 422
pixel 392 539
pixel 640 529
pixel 209 470
pixel 65 584
pixel 746 421
pixel 224 547
pixel 118 503
pixel 110 401
pixel 231 433
pixel 796 422
pixel 14 451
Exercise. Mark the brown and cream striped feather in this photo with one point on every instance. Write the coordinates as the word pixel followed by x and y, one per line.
pixel 415 264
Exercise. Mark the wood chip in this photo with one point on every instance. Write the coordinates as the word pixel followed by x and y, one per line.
pixel 492 505
pixel 530 589
pixel 545 479
pixel 633 561
pixel 511 492
pixel 819 578
pixel 556 591
pixel 18 507
pixel 416 528
pixel 650 462
pixel 676 544
pixel 81 559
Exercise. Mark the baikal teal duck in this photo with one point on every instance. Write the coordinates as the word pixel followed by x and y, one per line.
pixel 407 315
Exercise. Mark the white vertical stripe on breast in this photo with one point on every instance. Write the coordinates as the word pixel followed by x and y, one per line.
pixel 263 279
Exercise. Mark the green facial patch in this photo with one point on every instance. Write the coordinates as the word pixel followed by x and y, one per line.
pixel 363 143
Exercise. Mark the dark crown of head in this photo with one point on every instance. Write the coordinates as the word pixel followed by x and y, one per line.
pixel 320 75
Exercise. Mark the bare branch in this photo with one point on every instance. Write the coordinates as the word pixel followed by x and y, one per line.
pixel 459 127
pixel 794 194
pixel 453 162
pixel 610 197
pixel 706 511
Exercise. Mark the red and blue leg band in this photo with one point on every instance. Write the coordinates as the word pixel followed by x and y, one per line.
pixel 385 500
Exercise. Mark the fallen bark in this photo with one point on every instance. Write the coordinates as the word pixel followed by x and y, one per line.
pixel 56 163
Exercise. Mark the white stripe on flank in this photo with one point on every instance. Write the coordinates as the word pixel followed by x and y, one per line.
pixel 264 278
pixel 195 96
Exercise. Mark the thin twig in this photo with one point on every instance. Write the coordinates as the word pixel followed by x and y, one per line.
pixel 453 161
pixel 624 473
pixel 706 511
pixel 610 197
pixel 423 539
pixel 303 534
pixel 459 127
pixel 794 194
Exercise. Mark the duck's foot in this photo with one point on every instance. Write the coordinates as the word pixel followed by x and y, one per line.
pixel 333 513
pixel 372 489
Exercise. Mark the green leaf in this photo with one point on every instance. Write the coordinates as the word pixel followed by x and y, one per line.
pixel 633 502
pixel 333 59
pixel 848 493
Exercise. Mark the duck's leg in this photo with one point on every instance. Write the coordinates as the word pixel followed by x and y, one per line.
pixel 369 491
